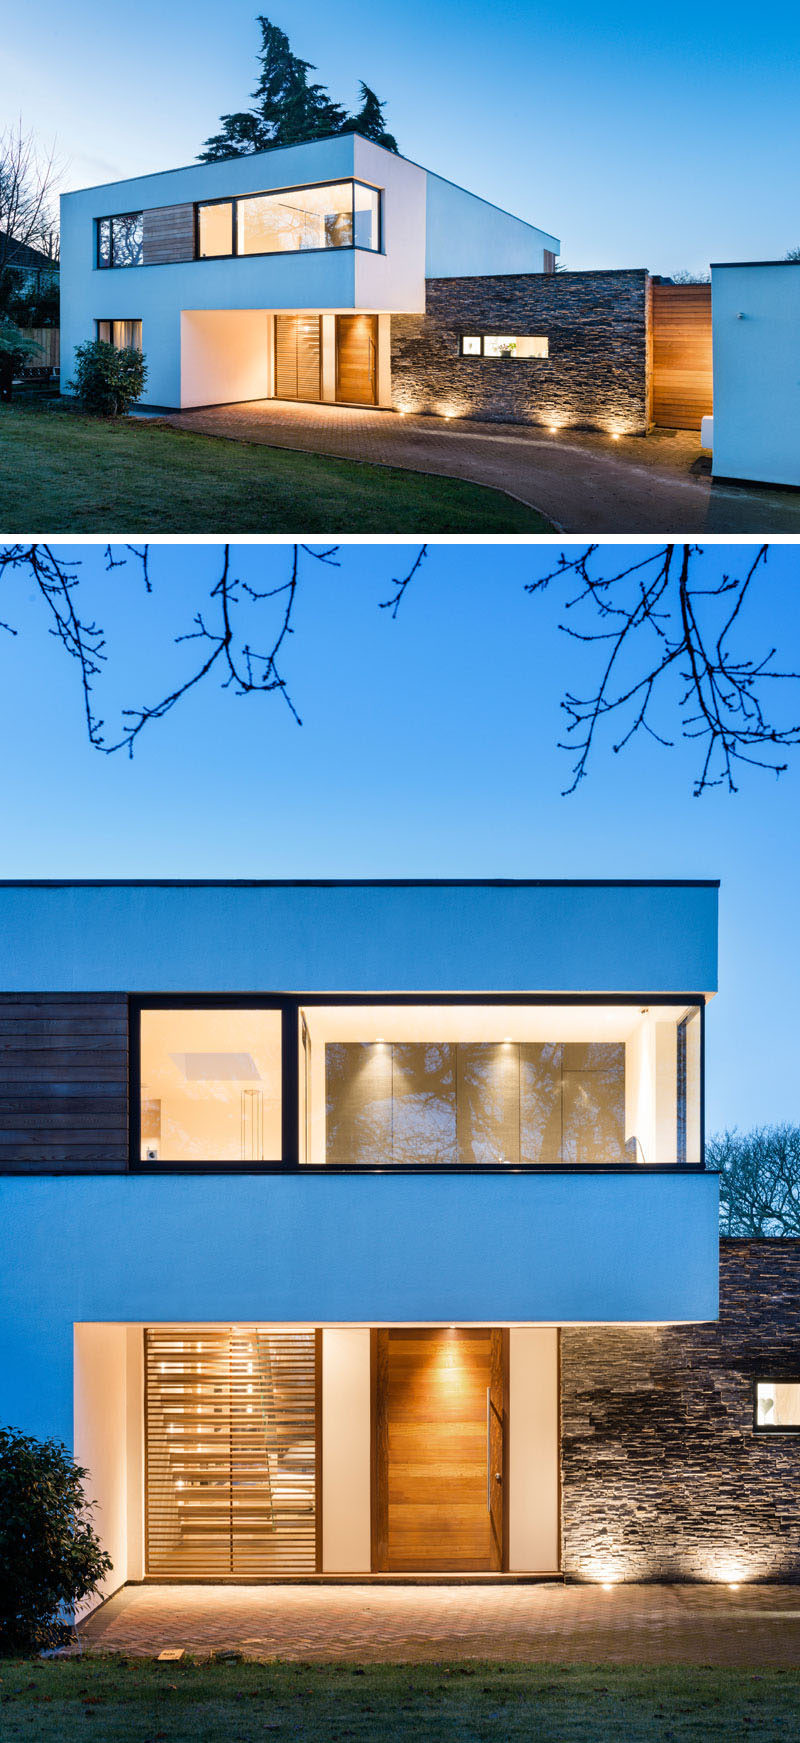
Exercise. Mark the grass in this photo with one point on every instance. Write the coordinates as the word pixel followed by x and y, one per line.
pixel 61 472
pixel 119 1700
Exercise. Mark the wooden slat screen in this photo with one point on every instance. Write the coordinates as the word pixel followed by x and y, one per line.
pixel 298 357
pixel 231 1452
pixel 682 374
pixel 63 1082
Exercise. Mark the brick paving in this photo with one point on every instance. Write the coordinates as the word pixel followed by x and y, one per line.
pixel 582 482
pixel 630 1624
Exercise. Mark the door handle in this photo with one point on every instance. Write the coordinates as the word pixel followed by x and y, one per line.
pixel 498 1476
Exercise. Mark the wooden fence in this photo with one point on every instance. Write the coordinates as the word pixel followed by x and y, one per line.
pixel 682 382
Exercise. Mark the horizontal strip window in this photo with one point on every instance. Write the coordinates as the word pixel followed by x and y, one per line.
pixel 250 1083
pixel 123 335
pixel 777 1406
pixel 504 345
pixel 295 220
pixel 119 240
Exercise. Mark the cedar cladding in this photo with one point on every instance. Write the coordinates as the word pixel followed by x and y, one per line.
pixel 63 1083
pixel 167 235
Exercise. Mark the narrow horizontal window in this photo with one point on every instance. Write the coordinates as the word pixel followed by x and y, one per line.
pixel 777 1405
pixel 210 1086
pixel 520 345
pixel 291 221
pixel 119 240
pixel 125 335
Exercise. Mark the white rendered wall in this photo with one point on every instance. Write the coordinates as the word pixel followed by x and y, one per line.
pixel 101 1439
pixel 503 937
pixel 346 1470
pixel 469 237
pixel 755 314
pixel 533 1452
pixel 225 356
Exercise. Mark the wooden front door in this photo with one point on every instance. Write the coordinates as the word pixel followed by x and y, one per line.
pixel 298 357
pixel 438 1500
pixel 357 359
pixel 682 374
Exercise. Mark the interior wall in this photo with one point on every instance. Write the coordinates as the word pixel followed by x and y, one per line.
pixel 225 356
pixel 101 1437
pixel 346 1461
pixel 533 1456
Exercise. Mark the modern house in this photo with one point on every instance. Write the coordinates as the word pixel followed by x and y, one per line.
pixel 362 1229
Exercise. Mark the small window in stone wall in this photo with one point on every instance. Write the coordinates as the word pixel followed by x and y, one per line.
pixel 777 1406
pixel 521 345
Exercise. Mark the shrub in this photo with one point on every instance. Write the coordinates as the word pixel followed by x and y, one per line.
pixel 50 1557
pixel 16 349
pixel 108 380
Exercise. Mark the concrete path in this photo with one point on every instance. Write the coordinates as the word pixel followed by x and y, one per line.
pixel 754 1626
pixel 583 483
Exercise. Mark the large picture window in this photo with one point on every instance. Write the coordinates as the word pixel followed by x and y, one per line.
pixel 294 220
pixel 119 240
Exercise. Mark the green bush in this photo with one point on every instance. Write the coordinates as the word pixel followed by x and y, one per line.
pixel 108 380
pixel 50 1557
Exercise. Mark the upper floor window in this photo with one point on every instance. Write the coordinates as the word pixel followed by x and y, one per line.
pixel 333 215
pixel 504 345
pixel 494 1085
pixel 210 1086
pixel 119 240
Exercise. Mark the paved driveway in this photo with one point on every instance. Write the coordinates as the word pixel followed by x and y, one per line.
pixel 752 1627
pixel 583 483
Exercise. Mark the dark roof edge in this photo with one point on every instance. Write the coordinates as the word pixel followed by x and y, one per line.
pixel 356 883
pixel 717 264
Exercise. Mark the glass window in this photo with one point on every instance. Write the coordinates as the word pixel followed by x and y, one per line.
pixel 122 334
pixel 296 219
pixel 505 345
pixel 215 230
pixel 778 1404
pixel 119 240
pixel 480 1086
pixel 210 1086
pixel 366 216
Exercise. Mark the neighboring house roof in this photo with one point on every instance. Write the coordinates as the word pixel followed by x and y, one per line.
pixel 21 255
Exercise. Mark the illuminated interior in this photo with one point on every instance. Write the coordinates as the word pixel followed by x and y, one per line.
pixel 478 1086
pixel 210 1086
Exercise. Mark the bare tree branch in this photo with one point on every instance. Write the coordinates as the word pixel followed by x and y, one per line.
pixel 656 619
pixel 29 178
pixel 759 1186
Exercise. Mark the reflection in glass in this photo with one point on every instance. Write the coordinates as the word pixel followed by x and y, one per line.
pixel 296 219
pixel 366 216
pixel 119 240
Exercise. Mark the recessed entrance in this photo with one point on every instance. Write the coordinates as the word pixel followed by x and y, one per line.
pixel 439 1406
pixel 357 359
pixel 298 357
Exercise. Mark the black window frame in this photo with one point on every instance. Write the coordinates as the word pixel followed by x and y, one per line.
pixel 232 200
pixel 472 356
pixel 111 265
pixel 291 1005
pixel 110 320
pixel 773 1379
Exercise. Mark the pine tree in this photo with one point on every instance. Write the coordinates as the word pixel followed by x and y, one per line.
pixel 287 110
pixel 369 121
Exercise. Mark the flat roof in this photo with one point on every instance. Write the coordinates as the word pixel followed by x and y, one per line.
pixel 359 883
pixel 716 264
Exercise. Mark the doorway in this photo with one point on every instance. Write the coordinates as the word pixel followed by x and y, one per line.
pixel 298 357
pixel 439 1450
pixel 357 359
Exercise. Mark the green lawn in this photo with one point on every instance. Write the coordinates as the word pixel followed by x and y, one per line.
pixel 139 1701
pixel 61 473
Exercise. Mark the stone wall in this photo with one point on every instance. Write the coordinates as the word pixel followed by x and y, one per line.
pixel 663 1476
pixel 596 374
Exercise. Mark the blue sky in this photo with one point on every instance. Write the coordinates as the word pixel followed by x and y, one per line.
pixel 429 747
pixel 642 136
